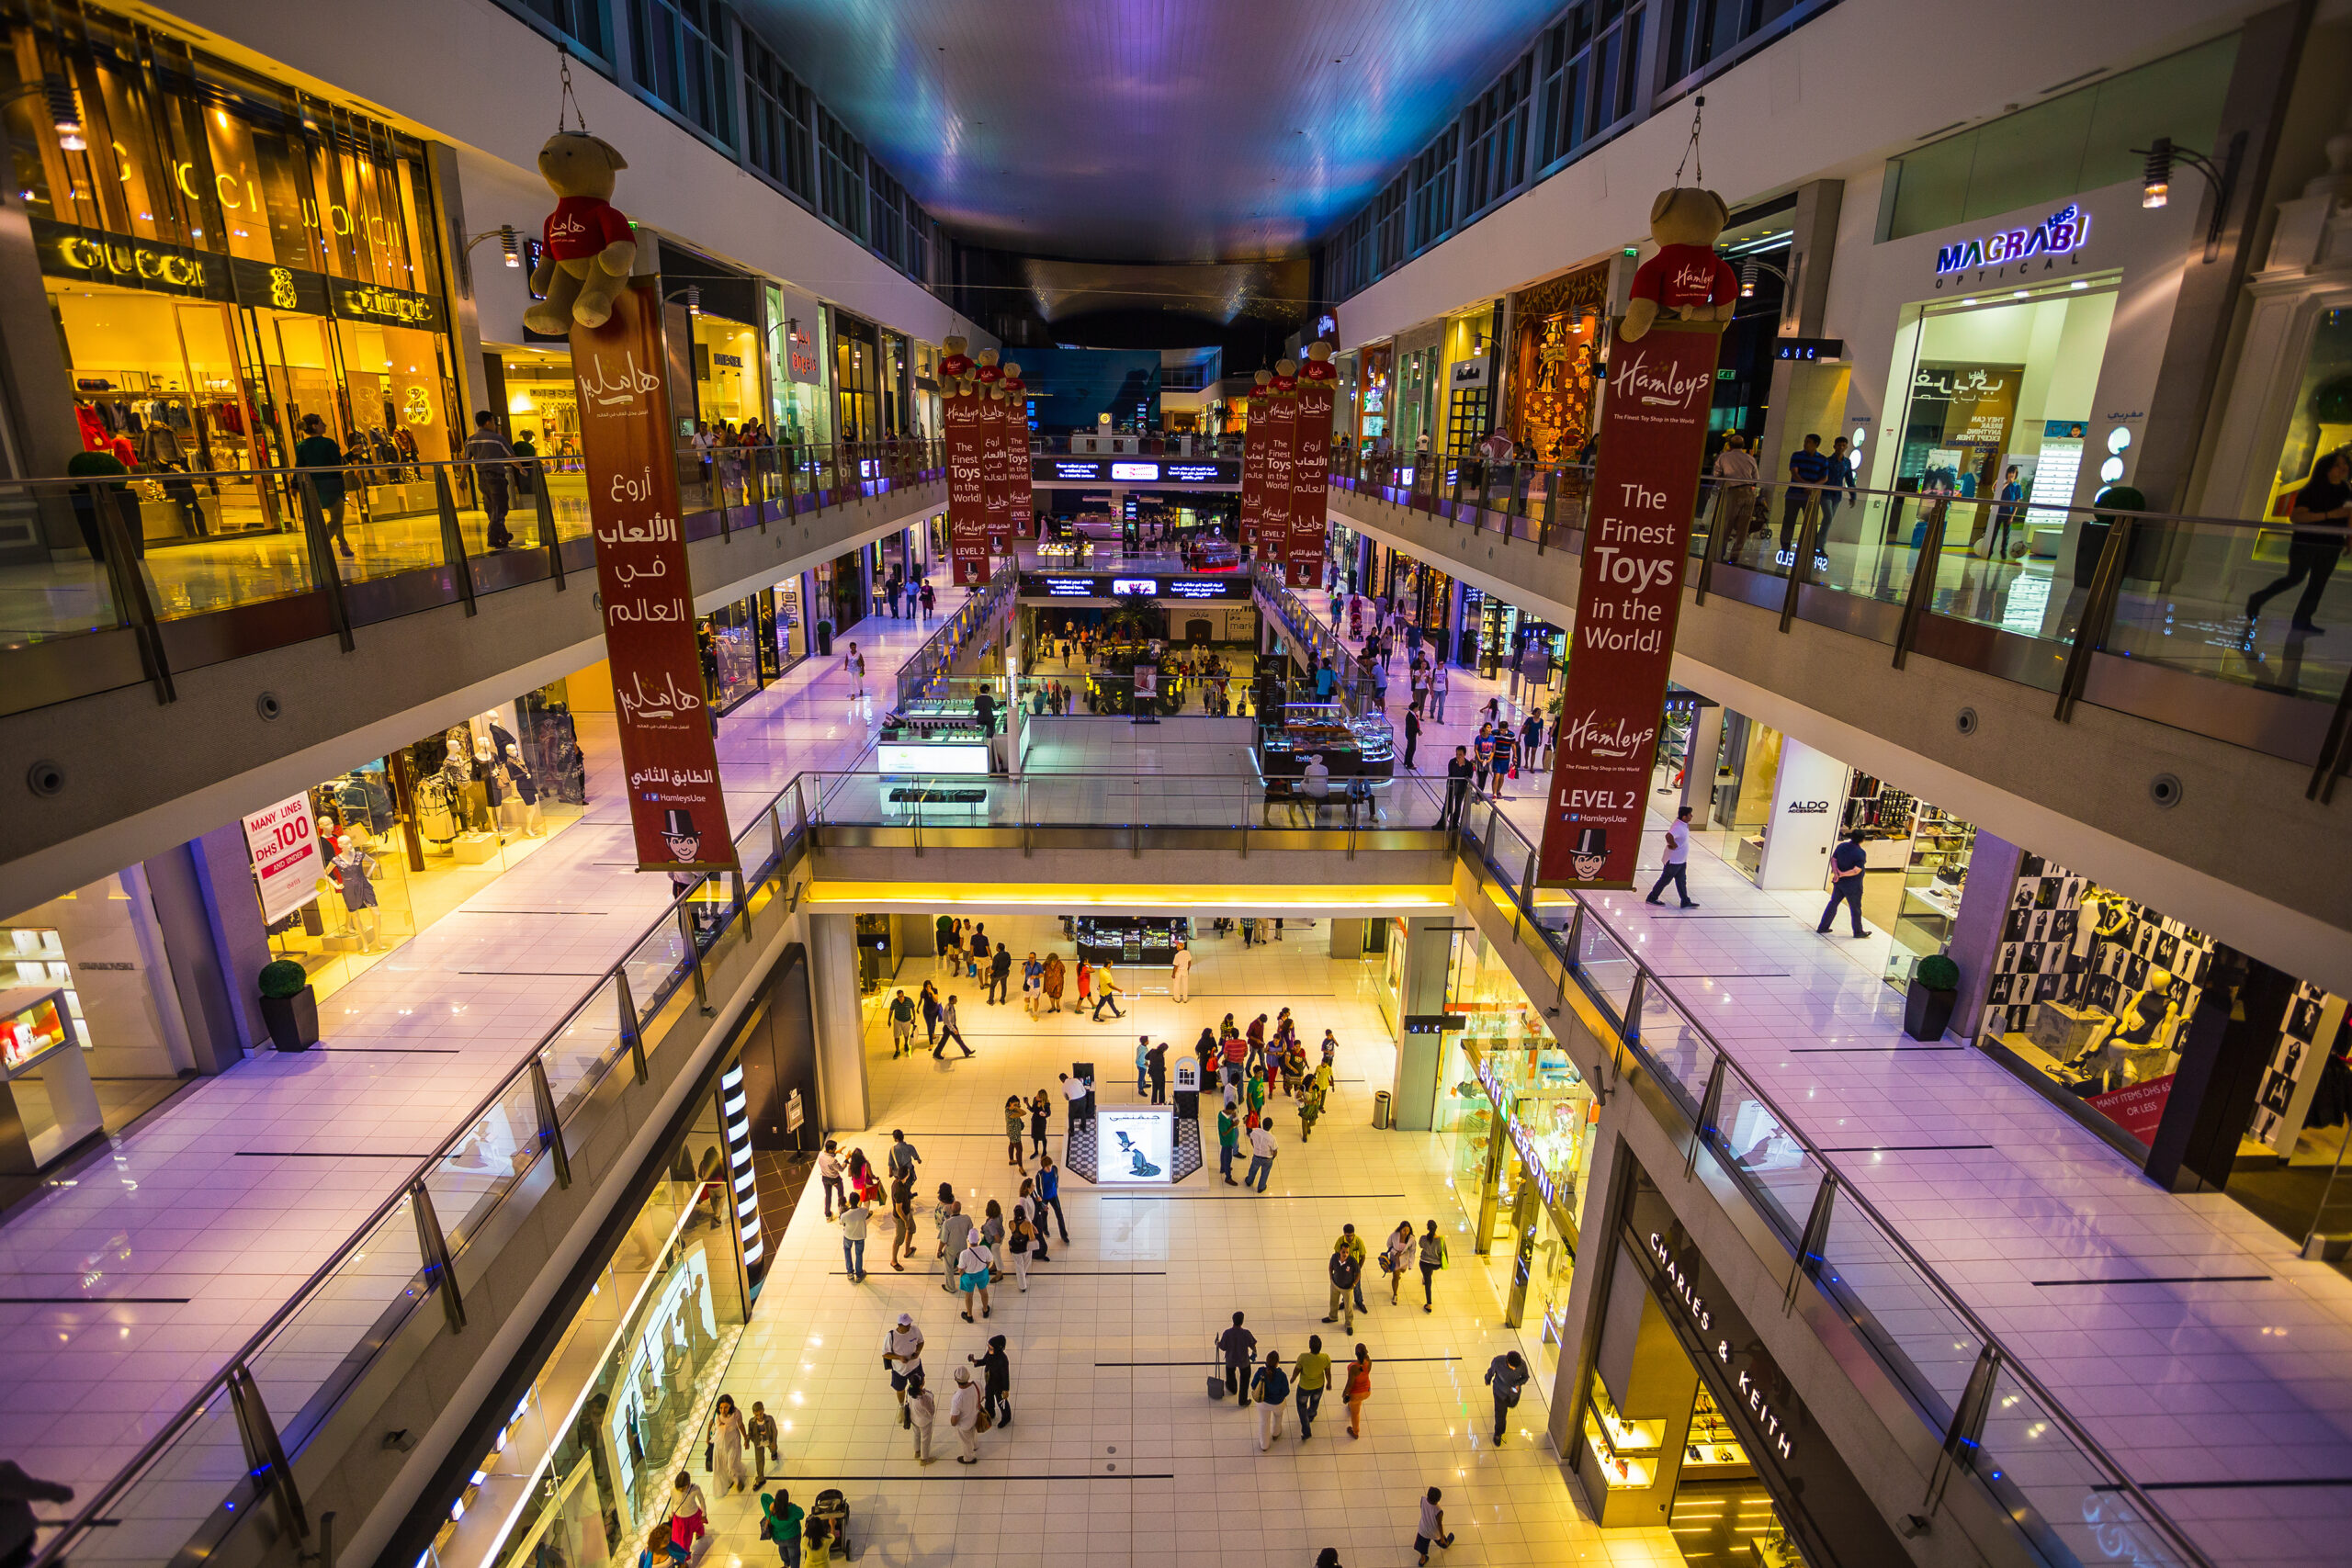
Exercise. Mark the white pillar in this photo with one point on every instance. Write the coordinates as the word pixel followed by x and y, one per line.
pixel 841 1036
pixel 1807 799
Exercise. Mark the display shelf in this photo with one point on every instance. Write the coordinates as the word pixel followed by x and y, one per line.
pixel 1620 1471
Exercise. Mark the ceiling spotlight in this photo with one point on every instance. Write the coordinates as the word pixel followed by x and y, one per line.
pixel 510 244
pixel 64 113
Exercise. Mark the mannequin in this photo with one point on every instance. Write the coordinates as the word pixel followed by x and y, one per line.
pixel 458 768
pixel 354 868
pixel 486 773
pixel 2132 1046
pixel 525 799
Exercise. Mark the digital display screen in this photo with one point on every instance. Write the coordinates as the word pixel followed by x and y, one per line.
pixel 1195 473
pixel 1066 587
pixel 1134 1145
pixel 1073 468
pixel 1198 588
pixel 1122 585
pixel 1135 470
pixel 1051 585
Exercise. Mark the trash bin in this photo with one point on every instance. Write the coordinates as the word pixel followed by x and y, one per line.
pixel 824 638
pixel 1380 1103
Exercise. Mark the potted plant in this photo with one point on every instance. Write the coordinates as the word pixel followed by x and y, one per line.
pixel 289 1006
pixel 1935 988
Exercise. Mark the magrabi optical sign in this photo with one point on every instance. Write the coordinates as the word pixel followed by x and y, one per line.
pixel 2062 234
pixel 667 750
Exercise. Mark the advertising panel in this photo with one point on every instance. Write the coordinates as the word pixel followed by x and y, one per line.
pixel 1310 470
pixel 283 845
pixel 1281 421
pixel 1253 470
pixel 1653 436
pixel 968 535
pixel 1134 1145
pixel 668 752
pixel 996 496
pixel 1019 505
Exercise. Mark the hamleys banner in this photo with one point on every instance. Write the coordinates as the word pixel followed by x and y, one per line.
pixel 1021 503
pixel 667 754
pixel 1277 411
pixel 1311 471
pixel 968 525
pixel 1637 534
pixel 1253 474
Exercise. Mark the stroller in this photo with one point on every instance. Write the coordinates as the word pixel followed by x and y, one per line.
pixel 833 1508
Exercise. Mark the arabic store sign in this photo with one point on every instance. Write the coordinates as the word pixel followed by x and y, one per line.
pixel 2062 234
pixel 667 748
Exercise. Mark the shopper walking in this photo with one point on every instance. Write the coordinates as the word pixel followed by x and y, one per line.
pixel 1261 1155
pixel 1022 1240
pixel 855 1220
pixel 996 1380
pixel 948 1030
pixel 1345 1272
pixel 1458 775
pixel 2318 514
pixel 1846 864
pixel 1180 979
pixel 964 1417
pixel 760 1431
pixel 728 1471
pixel 931 1013
pixel 903 1157
pixel 1432 1258
pixel 1357 1389
pixel 954 1230
pixel 1506 1374
pixel 829 1177
pixel 1310 1375
pixel 1054 980
pixel 1431 1530
pixel 1229 1141
pixel 902 1359
pixel 1016 1122
pixel 1106 993
pixel 1396 1256
pixel 1041 1111
pixel 1049 1196
pixel 973 1272
pixel 923 1407
pixel 1677 869
pixel 999 974
pixel 1440 684
pixel 1032 986
pixel 1272 1388
pixel 902 1220
pixel 902 1025
pixel 1238 1348
pixel 1412 735
pixel 1143 1064
pixel 783 1518
pixel 1157 1060
pixel 1354 1244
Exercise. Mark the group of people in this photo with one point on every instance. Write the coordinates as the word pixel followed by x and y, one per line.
pixel 973 1408
pixel 1252 1065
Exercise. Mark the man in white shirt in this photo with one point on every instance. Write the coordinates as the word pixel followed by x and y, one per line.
pixel 1678 860
pixel 1316 783
pixel 1439 684
pixel 1180 984
pixel 964 1415
pixel 902 1354
pixel 1261 1157
pixel 829 1174
pixel 1736 471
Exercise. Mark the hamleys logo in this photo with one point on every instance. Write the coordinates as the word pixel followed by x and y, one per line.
pixel 1659 385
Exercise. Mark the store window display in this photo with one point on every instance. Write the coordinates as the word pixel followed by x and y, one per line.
pixel 100 948
pixel 727 371
pixel 1556 345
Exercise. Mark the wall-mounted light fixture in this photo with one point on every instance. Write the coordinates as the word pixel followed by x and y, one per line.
pixel 2155 180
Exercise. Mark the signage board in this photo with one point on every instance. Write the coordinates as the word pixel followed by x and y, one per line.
pixel 1805 349
pixel 94 256
pixel 1138 471
pixel 283 842
pixel 1653 438
pixel 1107 470
pixel 669 756
pixel 1120 585
pixel 996 497
pixel 1275 502
pixel 1310 473
pixel 279 288
pixel 1134 1145
pixel 968 524
pixel 385 307
pixel 1104 585
pixel 2062 233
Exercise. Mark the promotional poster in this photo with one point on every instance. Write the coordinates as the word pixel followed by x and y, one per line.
pixel 1310 470
pixel 1653 437
pixel 968 535
pixel 669 756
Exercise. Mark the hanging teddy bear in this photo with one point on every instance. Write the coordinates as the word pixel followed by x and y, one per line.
pixel 1686 277
pixel 590 246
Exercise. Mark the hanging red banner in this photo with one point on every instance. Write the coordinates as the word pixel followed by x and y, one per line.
pixel 1637 538
pixel 1021 502
pixel 1311 471
pixel 669 756
pixel 1277 410
pixel 1253 471
pixel 968 525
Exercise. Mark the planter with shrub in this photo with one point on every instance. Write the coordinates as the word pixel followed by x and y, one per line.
pixel 1935 990
pixel 289 1006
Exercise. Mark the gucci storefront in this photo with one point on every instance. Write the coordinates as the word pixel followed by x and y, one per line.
pixel 224 256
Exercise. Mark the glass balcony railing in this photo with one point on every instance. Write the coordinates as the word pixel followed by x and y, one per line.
pixel 2024 590
pixel 303 553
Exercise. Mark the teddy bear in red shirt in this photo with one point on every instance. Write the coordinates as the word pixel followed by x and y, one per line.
pixel 1686 277
pixel 590 245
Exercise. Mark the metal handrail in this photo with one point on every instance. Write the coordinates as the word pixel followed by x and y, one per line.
pixel 1651 982
pixel 939 649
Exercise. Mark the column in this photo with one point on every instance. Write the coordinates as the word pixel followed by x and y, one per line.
pixel 1429 958
pixel 1347 939
pixel 1699 772
pixel 1976 933
pixel 841 1040
pixel 1806 800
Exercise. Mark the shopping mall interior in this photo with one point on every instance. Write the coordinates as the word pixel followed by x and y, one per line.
pixel 1550 782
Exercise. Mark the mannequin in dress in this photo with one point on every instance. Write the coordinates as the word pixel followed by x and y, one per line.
pixel 488 773
pixel 354 871
pixel 525 793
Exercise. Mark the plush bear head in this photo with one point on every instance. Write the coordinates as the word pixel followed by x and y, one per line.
pixel 1688 216
pixel 576 163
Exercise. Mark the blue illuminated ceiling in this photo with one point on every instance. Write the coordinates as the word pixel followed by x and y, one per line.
pixel 1171 130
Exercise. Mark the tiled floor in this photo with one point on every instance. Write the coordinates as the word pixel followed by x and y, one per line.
pixel 2232 1364
pixel 1115 1447
pixel 131 1288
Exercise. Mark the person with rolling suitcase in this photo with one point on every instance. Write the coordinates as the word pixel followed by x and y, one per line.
pixel 1238 1348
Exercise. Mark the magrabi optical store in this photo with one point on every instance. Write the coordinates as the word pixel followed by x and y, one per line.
pixel 2019 297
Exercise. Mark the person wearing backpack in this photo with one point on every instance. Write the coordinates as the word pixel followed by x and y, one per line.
pixel 1432 1259
pixel 1273 1389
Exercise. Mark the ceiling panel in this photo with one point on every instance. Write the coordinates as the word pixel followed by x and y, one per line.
pixel 1146 130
